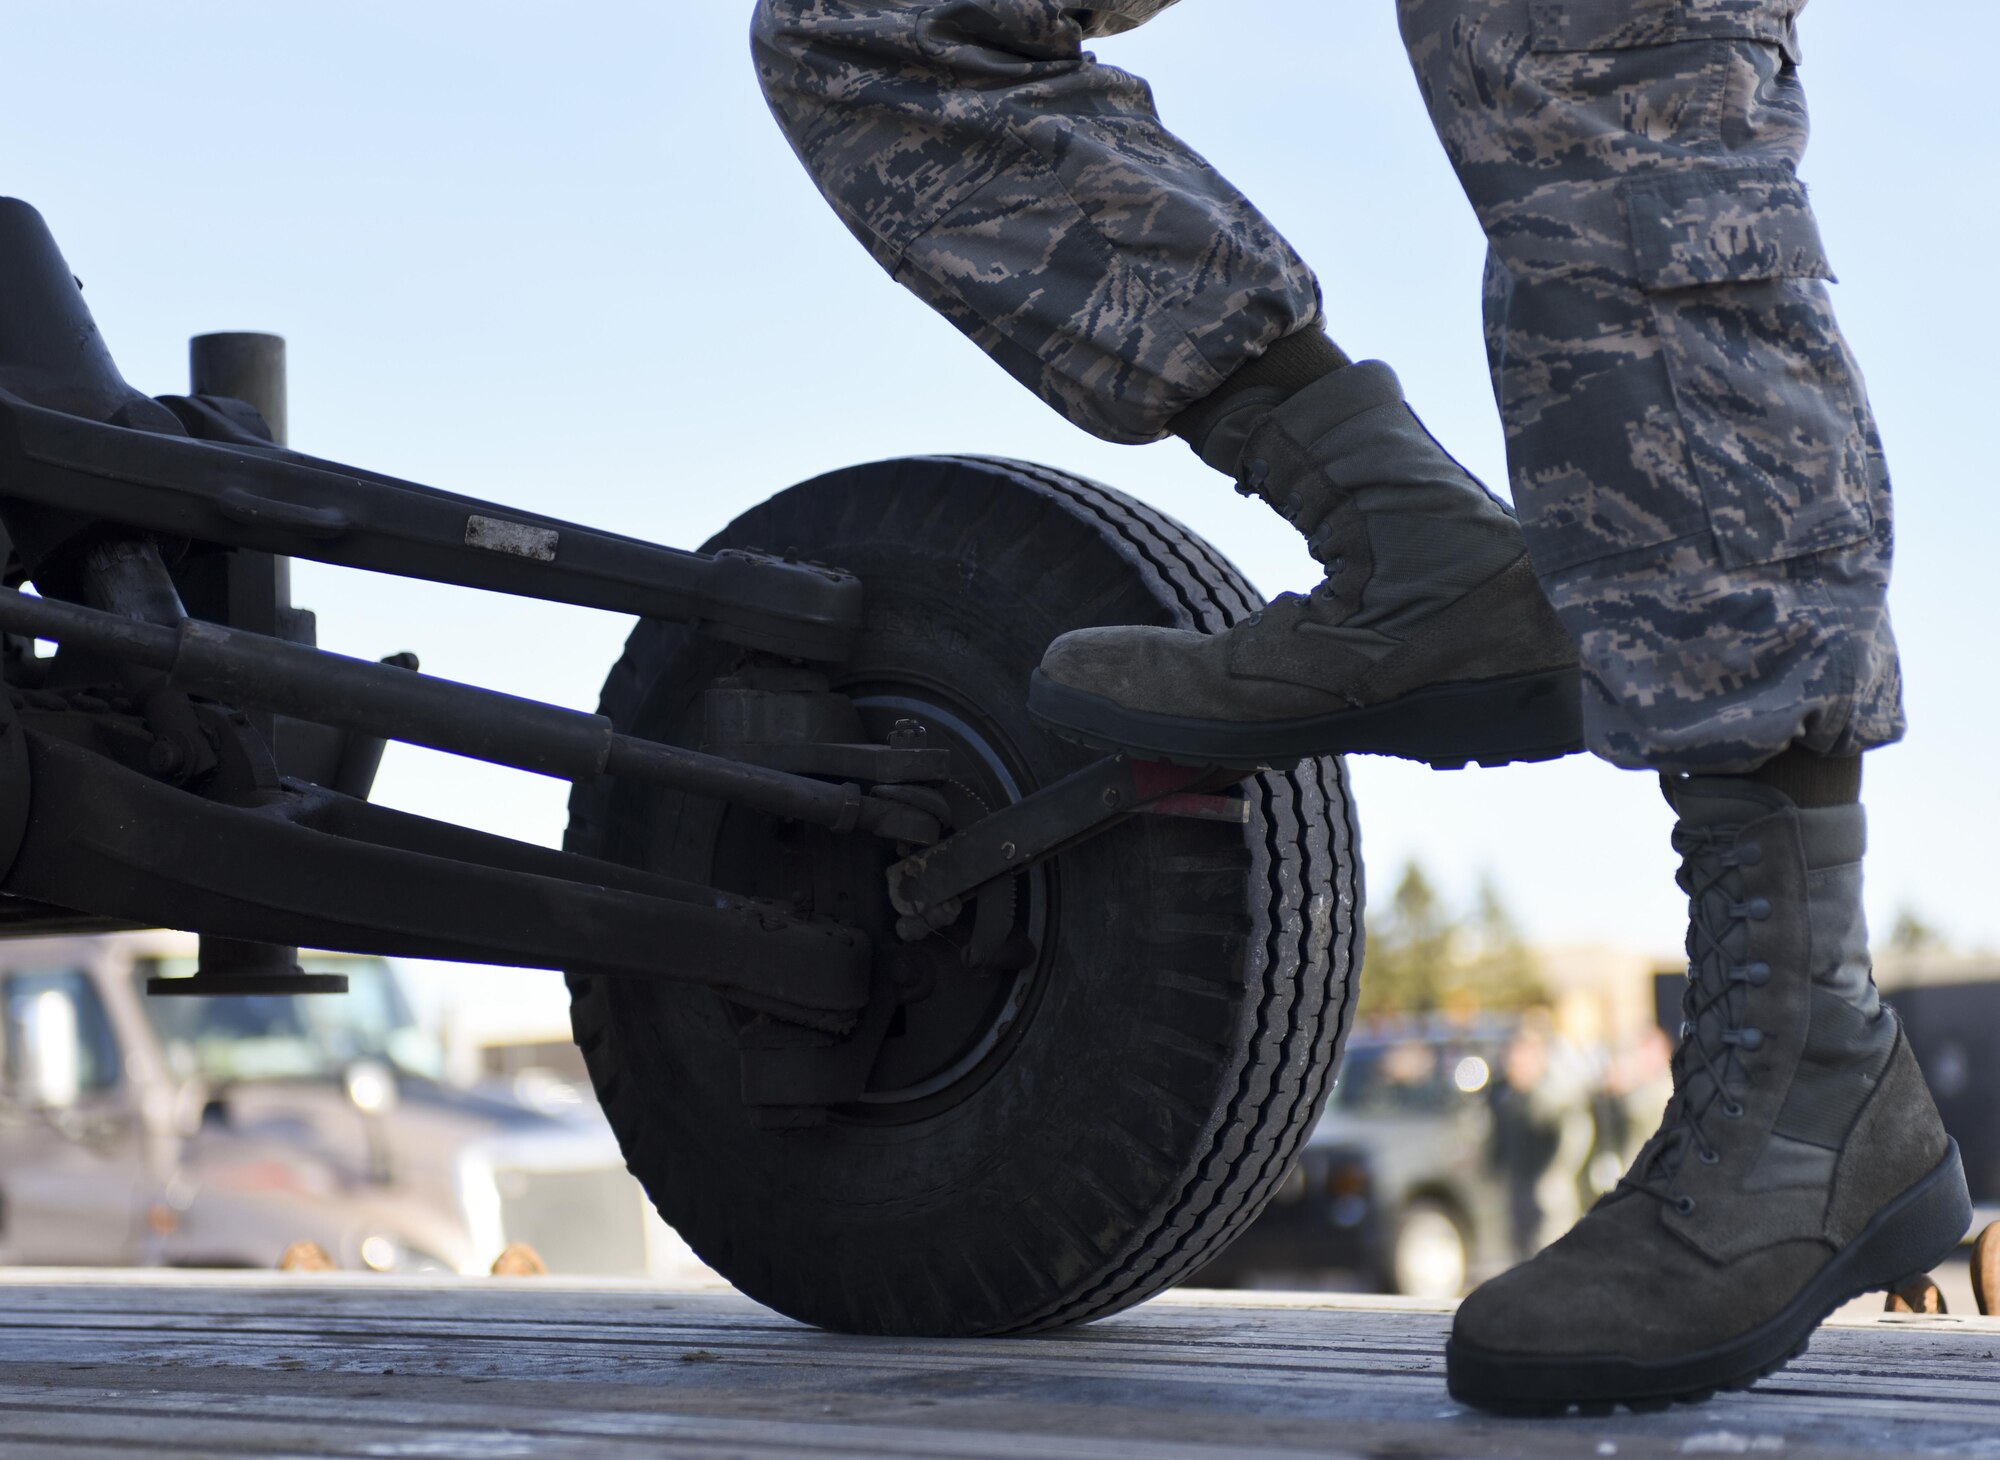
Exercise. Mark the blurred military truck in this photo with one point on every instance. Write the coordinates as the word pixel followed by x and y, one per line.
pixel 217 1131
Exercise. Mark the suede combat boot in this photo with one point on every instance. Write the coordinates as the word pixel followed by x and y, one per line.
pixel 1801 1161
pixel 1429 639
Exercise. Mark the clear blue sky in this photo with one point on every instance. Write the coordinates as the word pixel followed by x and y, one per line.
pixel 559 256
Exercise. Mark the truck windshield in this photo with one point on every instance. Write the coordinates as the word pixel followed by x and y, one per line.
pixel 291 1036
pixel 1407 1077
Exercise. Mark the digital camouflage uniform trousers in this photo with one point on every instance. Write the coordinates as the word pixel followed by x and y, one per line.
pixel 1693 459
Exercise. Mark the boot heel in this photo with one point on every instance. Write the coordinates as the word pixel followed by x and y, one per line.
pixel 1915 1232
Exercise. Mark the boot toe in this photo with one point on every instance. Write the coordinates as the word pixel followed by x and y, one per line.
pixel 1523 1310
pixel 1549 1307
pixel 1598 1289
pixel 1138 667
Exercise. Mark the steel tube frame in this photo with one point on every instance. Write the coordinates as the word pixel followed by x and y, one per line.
pixel 249 670
pixel 310 866
pixel 252 494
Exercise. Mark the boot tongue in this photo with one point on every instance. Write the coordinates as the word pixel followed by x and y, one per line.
pixel 1833 835
pixel 1713 811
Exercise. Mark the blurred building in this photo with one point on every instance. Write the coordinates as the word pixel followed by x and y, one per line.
pixel 1950 1004
pixel 1601 995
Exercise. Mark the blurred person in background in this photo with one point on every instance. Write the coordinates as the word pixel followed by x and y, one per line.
pixel 1527 1129
pixel 1638 1082
pixel 1542 1131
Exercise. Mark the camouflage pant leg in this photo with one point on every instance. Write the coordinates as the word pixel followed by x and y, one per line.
pixel 1692 453
pixel 1032 197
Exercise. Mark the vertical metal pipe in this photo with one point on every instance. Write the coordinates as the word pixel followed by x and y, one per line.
pixel 247 367
pixel 251 368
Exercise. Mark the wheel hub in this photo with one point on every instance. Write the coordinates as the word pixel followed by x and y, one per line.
pixel 952 1021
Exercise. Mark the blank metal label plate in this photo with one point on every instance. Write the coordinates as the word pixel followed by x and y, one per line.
pixel 500 536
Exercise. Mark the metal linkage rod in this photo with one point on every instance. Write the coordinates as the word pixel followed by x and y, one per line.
pixel 150 646
pixel 251 670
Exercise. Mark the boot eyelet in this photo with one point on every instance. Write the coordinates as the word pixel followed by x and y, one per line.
pixel 1758 974
pixel 1710 1158
pixel 1733 1110
pixel 1338 565
pixel 1684 1205
pixel 1745 1038
pixel 1258 473
pixel 1756 909
pixel 1747 854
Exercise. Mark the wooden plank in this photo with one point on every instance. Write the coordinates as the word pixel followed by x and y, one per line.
pixel 112 1364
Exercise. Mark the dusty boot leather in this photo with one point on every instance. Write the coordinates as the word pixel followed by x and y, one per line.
pixel 1429 639
pixel 1800 1163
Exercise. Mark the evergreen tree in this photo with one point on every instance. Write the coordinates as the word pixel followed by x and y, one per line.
pixel 1914 933
pixel 1423 957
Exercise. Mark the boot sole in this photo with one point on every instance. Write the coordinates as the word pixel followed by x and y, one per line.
pixel 1494 722
pixel 1912 1235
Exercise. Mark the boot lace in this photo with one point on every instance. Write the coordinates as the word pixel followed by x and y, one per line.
pixel 1707 1065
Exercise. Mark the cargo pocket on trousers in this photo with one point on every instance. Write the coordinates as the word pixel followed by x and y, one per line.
pixel 1581 26
pixel 1770 408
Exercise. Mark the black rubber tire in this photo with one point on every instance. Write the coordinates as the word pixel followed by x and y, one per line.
pixel 1194 992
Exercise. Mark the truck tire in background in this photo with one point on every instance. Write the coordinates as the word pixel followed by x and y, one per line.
pixel 1429 1254
pixel 1038 1148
